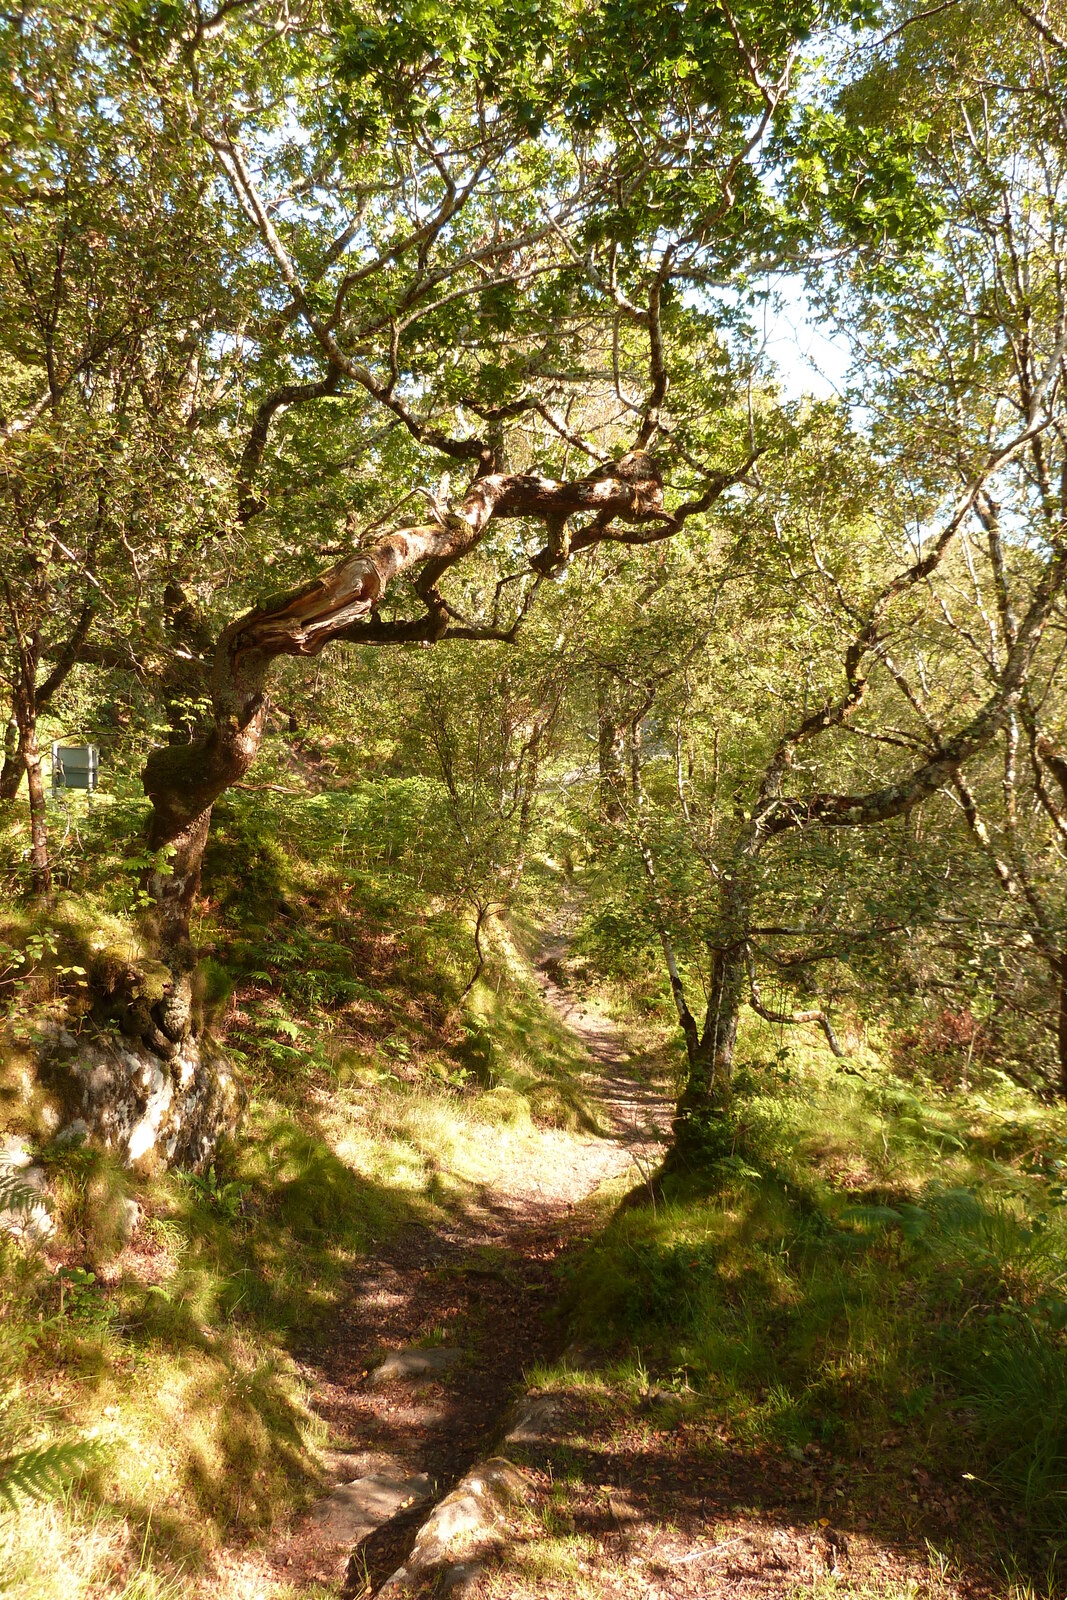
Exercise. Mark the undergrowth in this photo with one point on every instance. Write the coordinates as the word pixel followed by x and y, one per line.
pixel 335 960
pixel 864 1289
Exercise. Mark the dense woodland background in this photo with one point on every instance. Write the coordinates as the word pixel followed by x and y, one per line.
pixel 398 488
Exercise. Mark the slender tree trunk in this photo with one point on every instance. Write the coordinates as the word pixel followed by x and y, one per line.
pixel 706 1095
pixel 686 1020
pixel 481 921
pixel 42 866
pixel 1061 1028
pixel 14 763
pixel 28 757
pixel 36 696
pixel 611 749
pixel 711 1060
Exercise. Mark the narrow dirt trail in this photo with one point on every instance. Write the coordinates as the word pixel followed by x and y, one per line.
pixel 477 1289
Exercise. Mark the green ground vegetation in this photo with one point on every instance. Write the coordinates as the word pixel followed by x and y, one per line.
pixel 860 1295
pixel 401 488
pixel 376 1099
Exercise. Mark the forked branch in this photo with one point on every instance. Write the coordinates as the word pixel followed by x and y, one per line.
pixel 811 1014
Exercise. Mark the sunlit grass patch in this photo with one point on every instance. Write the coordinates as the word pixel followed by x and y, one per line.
pixel 866 1272
pixel 377 1101
pixel 548 1559
pixel 40 1560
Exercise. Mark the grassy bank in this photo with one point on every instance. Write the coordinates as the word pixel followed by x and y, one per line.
pixel 847 1327
pixel 850 1322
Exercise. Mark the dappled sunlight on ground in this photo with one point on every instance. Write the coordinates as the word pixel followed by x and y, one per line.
pixel 757 1399
pixel 513 1200
pixel 756 1453
pixel 649 1498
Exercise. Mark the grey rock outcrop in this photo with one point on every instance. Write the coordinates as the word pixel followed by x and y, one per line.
pixel 454 1546
pixel 412 1364
pixel 461 1530
pixel 355 1509
pixel 151 1111
pixel 72 1134
pixel 534 1420
pixel 129 1220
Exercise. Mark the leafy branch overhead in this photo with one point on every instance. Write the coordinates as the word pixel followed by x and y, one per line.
pixel 546 521
pixel 334 324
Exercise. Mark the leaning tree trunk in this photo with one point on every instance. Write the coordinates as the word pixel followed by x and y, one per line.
pixel 184 781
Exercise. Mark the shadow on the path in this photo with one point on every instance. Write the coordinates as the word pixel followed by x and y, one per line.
pixel 484 1280
pixel 675 1504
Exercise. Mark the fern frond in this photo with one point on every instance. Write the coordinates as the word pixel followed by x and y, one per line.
pixel 18 1195
pixel 911 1220
pixel 43 1470
pixel 872 1217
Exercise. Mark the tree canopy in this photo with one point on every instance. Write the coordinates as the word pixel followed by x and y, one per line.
pixel 449 317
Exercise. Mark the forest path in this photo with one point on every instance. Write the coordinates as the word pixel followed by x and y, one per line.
pixel 478 1288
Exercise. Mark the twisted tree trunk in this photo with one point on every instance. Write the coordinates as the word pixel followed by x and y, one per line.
pixel 184 781
pixel 14 765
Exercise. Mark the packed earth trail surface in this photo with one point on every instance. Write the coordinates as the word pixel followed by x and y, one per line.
pixel 629 1491
pixel 468 1302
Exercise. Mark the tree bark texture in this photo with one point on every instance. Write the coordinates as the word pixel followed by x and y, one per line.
pixel 706 1095
pixel 42 866
pixel 14 763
